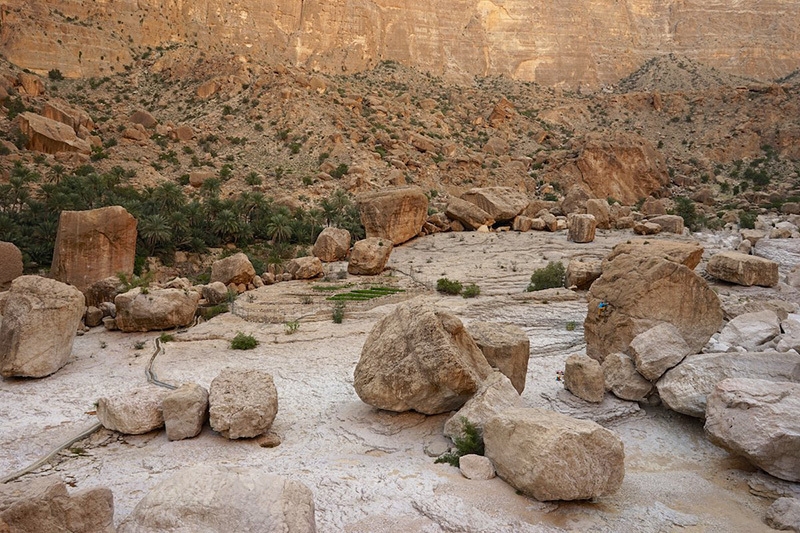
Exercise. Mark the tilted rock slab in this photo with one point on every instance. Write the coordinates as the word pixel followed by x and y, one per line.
pixel 369 256
pixel 743 269
pixel 185 410
pixel 133 412
pixel 759 420
pixel 622 379
pixel 749 330
pixel 636 292
pixel 332 244
pixel 688 254
pixel 784 514
pixel 469 214
pixel 501 203
pixel 418 358
pixel 43 505
pixel 669 223
pixel 495 395
pixel 219 499
pixel 551 456
pixel 684 388
pixel 50 136
pixel 235 269
pixel 393 214
pixel 93 245
pixel 657 350
pixel 40 319
pixel 582 273
pixel 506 347
pixel 155 309
pixel 242 403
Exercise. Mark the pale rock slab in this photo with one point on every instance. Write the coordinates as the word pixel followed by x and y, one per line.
pixel 684 388
pixel 495 395
pixel 741 269
pixel 332 244
pixel 750 330
pixel 476 467
pixel 242 403
pixel 657 350
pixel 133 412
pixel 185 410
pixel 583 377
pixel 40 319
pixel 550 456
pixel 506 347
pixel 784 514
pixel 418 358
pixel 220 499
pixel 369 256
pixel 623 380
pixel 759 420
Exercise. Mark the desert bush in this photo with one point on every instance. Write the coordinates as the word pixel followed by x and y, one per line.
pixel 338 312
pixel 747 220
pixel 291 327
pixel 243 342
pixel 549 277
pixel 470 442
pixel 471 291
pixel 55 75
pixel 684 207
pixel 448 286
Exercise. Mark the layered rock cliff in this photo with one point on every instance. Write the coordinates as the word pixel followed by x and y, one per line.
pixel 570 42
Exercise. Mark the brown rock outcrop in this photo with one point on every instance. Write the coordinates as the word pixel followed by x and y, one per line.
pixel 236 269
pixel 469 214
pixel 369 256
pixel 333 244
pixel 61 111
pixel 743 269
pixel 93 245
pixel 49 136
pixel 502 203
pixel 10 263
pixel 394 214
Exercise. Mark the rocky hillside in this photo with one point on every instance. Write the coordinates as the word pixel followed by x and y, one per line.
pixel 571 43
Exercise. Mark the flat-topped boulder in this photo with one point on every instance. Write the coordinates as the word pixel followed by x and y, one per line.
pixel 742 269
pixel 142 309
pixel 501 203
pixel 688 254
pixel 134 411
pixel 394 214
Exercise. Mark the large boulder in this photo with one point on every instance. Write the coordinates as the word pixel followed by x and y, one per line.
pixel 40 320
pixel 185 410
pixel 551 456
pixel 419 358
pixel 636 292
pixel 622 379
pixel 369 256
pixel 133 412
pixel 581 273
pixel 308 267
pixel 784 514
pixel 684 388
pixel 242 403
pixel 393 214
pixel 49 136
pixel 220 499
pixel 688 254
pixel 155 309
pixel 332 244
pixel 236 269
pixel 469 214
pixel 495 395
pixel 749 330
pixel 657 350
pixel 105 290
pixel 581 227
pixel 93 245
pixel 743 269
pixel 10 264
pixel 43 505
pixel 601 212
pixel 506 347
pixel 502 203
pixel 669 223
pixel 759 420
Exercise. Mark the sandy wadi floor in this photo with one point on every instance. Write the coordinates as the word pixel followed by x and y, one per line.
pixel 368 469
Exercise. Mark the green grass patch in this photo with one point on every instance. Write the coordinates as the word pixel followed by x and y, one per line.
pixel 243 342
pixel 360 295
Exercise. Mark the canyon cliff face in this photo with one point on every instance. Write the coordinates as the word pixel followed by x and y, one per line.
pixel 570 42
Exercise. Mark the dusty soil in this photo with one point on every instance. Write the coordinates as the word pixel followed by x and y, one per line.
pixel 368 469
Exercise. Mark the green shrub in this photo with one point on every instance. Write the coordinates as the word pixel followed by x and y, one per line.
pixel 571 325
pixel 447 286
pixel 747 220
pixel 338 312
pixel 471 291
pixel 684 207
pixel 243 342
pixel 291 327
pixel 549 277
pixel 166 337
pixel 470 442
pixel 55 75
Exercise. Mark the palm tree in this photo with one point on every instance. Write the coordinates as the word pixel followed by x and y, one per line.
pixel 279 227
pixel 154 230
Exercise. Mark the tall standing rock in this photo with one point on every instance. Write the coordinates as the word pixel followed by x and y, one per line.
pixel 637 292
pixel 393 214
pixel 39 324
pixel 506 347
pixel 92 245
pixel 419 358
